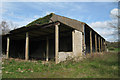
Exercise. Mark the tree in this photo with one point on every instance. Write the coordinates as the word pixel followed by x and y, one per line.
pixel 115 23
pixel 6 27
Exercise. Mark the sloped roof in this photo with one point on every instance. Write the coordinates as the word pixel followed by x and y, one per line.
pixel 53 18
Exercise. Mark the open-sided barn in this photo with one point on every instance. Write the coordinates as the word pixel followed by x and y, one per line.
pixel 53 37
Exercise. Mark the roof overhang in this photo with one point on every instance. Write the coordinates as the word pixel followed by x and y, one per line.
pixel 38 31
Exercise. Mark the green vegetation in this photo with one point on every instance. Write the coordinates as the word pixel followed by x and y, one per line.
pixel 97 66
pixel 113 46
pixel 41 21
pixel 112 49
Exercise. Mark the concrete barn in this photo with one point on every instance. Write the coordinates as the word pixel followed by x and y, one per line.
pixel 52 37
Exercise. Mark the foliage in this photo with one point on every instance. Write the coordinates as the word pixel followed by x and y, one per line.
pixel 6 26
pixel 41 21
pixel 99 66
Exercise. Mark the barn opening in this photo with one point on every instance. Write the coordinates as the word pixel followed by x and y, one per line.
pixel 40 40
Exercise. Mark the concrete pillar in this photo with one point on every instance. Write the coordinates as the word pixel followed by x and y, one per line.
pixel 47 49
pixel 99 43
pixel 56 43
pixel 96 42
pixel 105 46
pixel 7 51
pixel 90 41
pixel 73 48
pixel 77 43
pixel 27 46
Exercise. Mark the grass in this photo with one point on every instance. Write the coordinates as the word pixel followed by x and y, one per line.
pixel 98 66
pixel 113 49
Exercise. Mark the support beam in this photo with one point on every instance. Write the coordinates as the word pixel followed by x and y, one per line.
pixel 27 46
pixel 90 41
pixel 7 51
pixel 105 46
pixel 95 42
pixel 73 46
pixel 99 43
pixel 56 43
pixel 47 49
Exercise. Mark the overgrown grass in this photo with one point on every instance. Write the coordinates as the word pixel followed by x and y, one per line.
pixel 99 66
pixel 113 49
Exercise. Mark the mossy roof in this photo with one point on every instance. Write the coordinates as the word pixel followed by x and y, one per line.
pixel 43 20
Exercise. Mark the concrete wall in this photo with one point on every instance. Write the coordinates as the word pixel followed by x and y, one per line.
pixel 62 56
pixel 77 43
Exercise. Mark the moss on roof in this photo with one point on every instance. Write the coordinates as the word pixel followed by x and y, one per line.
pixel 41 21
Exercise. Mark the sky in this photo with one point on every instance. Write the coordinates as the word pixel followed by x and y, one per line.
pixel 97 15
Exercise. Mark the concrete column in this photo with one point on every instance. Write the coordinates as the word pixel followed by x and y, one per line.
pixel 96 42
pixel 73 48
pixel 7 51
pixel 56 43
pixel 105 46
pixel 77 43
pixel 99 43
pixel 27 46
pixel 47 49
pixel 90 41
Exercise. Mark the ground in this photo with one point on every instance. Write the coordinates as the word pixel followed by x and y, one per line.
pixel 98 66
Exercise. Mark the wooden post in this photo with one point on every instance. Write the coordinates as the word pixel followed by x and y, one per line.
pixel 56 43
pixel 47 49
pixel 27 46
pixel 96 42
pixel 99 43
pixel 7 51
pixel 90 41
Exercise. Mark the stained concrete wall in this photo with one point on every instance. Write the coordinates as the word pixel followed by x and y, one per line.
pixel 77 43
pixel 76 47
pixel 62 56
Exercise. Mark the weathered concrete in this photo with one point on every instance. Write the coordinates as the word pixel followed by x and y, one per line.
pixel 47 48
pixel 7 51
pixel 99 43
pixel 70 22
pixel 56 43
pixel 95 42
pixel 77 43
pixel 91 41
pixel 62 56
pixel 27 46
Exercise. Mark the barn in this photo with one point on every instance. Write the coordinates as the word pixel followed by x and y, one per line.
pixel 52 37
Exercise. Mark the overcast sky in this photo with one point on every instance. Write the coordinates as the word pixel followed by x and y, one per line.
pixel 96 14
